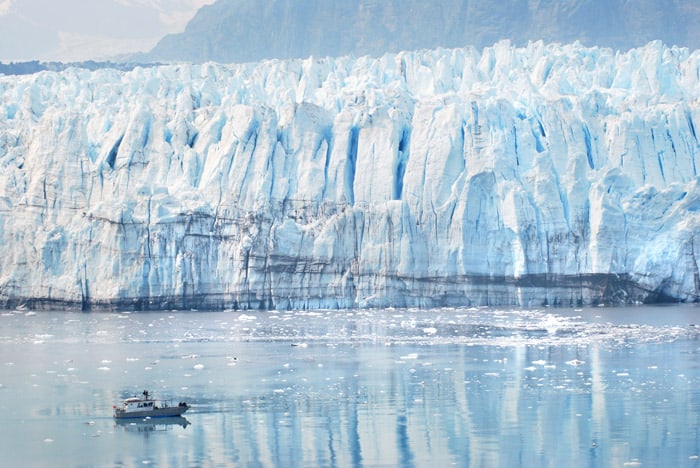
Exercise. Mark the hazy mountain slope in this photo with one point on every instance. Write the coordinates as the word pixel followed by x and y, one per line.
pixel 250 30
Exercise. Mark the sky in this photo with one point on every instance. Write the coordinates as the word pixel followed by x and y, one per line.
pixel 74 30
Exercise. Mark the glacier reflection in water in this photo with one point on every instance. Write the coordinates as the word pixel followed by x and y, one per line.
pixel 465 387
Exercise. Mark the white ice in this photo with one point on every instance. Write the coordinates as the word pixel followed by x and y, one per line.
pixel 549 173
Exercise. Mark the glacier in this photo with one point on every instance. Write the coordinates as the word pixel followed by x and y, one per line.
pixel 551 174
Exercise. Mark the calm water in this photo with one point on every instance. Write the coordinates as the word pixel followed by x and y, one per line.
pixel 462 387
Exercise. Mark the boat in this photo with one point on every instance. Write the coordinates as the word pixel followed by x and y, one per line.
pixel 146 407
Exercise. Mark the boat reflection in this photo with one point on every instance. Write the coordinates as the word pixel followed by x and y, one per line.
pixel 152 424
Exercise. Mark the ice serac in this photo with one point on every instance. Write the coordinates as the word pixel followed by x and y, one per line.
pixel 549 174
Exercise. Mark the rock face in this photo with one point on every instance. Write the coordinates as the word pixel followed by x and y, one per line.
pixel 250 30
pixel 547 174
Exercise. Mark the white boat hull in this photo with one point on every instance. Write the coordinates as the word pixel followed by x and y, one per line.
pixel 166 412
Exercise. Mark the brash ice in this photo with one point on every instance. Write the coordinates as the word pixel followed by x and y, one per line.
pixel 551 174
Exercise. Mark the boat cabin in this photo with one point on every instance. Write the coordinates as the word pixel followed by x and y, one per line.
pixel 139 404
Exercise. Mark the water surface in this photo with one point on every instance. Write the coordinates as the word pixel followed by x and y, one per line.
pixel 442 387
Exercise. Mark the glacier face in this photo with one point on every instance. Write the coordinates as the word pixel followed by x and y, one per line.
pixel 550 174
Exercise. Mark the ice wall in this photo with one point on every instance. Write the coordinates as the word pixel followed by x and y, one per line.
pixel 548 174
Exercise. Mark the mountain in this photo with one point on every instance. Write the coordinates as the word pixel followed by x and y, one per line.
pixel 250 30
pixel 541 175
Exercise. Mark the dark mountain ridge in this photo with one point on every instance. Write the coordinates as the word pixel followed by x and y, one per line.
pixel 251 30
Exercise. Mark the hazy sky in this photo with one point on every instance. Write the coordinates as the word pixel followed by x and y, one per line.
pixel 87 29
